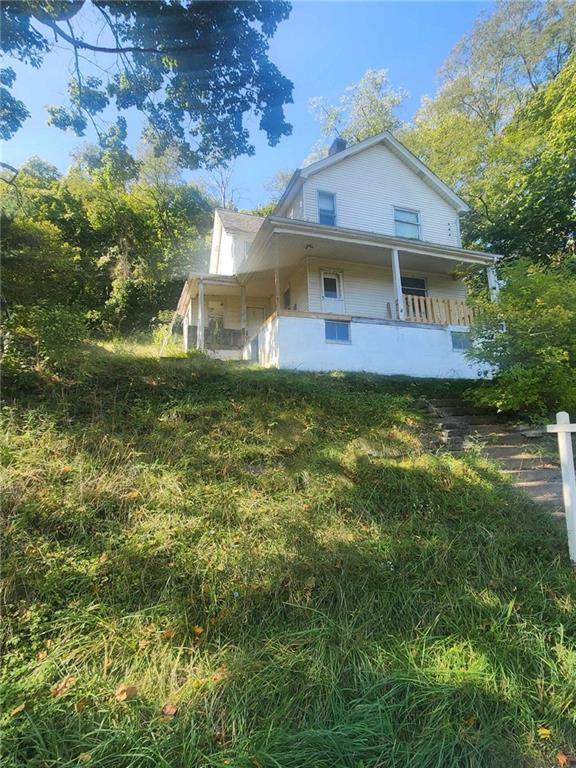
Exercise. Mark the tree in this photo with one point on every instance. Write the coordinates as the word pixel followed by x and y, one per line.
pixel 494 70
pixel 365 109
pixel 195 69
pixel 276 185
pixel 526 192
pixel 529 337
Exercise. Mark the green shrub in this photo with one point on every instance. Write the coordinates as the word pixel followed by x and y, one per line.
pixel 529 336
pixel 41 336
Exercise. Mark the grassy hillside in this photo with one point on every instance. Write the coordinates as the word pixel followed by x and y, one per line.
pixel 208 566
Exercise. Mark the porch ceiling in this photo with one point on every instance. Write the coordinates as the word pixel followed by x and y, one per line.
pixel 285 242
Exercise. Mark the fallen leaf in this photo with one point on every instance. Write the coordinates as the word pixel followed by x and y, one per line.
pixel 167 634
pixel 544 733
pixel 103 558
pixel 220 567
pixel 66 468
pixel 169 710
pixel 133 495
pixel 198 631
pixel 126 692
pixel 60 688
pixel 42 655
pixel 48 643
pixel 18 709
pixel 219 675
pixel 198 682
pixel 562 759
pixel 80 705
pixel 142 644
pixel 84 757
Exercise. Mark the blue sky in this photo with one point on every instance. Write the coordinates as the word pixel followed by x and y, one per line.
pixel 323 48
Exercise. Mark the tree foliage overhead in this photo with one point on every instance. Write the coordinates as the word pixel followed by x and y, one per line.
pixel 195 69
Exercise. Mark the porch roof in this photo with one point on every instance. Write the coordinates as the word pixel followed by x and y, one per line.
pixel 310 239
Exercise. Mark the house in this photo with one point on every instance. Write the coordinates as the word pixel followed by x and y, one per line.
pixel 357 269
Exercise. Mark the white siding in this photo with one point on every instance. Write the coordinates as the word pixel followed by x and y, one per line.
pixel 233 249
pixel 297 281
pixel 369 185
pixel 296 210
pixel 367 288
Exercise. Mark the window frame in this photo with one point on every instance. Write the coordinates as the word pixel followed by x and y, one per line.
pixel 339 282
pixel 418 223
pixel 345 323
pixel 461 335
pixel 415 277
pixel 333 196
pixel 287 294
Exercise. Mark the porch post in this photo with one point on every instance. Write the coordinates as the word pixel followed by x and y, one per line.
pixel 200 326
pixel 493 287
pixel 398 295
pixel 243 322
pixel 276 278
pixel 186 326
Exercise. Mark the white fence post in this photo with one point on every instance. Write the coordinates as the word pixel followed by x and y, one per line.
pixel 563 428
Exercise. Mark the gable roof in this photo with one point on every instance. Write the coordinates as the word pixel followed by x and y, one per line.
pixel 241 222
pixel 385 138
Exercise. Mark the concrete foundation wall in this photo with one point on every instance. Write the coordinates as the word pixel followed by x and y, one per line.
pixel 385 348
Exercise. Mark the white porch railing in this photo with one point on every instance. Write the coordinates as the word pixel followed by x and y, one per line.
pixel 564 430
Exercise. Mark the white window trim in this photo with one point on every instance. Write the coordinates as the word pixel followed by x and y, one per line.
pixel 332 273
pixel 326 192
pixel 408 210
pixel 337 341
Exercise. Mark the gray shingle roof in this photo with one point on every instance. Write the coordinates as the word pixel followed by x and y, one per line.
pixel 244 222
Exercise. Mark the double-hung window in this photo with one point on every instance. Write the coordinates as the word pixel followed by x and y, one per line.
pixel 407 223
pixel 414 286
pixel 327 208
pixel 337 331
pixel 331 285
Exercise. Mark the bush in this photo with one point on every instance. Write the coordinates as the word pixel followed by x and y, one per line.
pixel 41 336
pixel 529 336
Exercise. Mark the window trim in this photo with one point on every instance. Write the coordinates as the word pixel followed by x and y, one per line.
pixel 338 275
pixel 415 277
pixel 347 323
pixel 461 334
pixel 333 195
pixel 408 210
pixel 287 292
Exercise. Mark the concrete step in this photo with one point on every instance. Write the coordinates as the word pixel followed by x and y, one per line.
pixel 528 463
pixel 547 493
pixel 462 410
pixel 520 450
pixel 525 475
pixel 493 430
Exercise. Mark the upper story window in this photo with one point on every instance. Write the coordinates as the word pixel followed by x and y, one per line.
pixel 327 208
pixel 407 223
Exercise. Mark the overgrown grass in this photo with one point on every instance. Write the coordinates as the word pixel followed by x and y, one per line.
pixel 284 560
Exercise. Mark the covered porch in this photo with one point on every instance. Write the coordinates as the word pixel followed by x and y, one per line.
pixel 304 270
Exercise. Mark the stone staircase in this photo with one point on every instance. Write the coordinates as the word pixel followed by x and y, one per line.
pixel 526 456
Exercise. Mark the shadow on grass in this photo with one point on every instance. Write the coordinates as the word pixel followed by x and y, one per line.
pixel 304 603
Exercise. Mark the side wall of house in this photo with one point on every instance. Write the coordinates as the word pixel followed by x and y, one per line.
pixel 368 288
pixel 369 185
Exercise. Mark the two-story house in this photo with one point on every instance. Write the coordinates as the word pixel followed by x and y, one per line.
pixel 356 270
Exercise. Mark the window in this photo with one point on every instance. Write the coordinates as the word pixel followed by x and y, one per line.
pixel 327 208
pixel 461 341
pixel 337 331
pixel 407 223
pixel 286 300
pixel 331 288
pixel 414 286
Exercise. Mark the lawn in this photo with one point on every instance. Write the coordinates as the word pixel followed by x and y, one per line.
pixel 207 565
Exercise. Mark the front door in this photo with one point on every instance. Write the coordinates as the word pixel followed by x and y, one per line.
pixel 332 293
pixel 254 319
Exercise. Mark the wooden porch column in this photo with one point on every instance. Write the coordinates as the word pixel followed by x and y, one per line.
pixel 186 321
pixel 276 278
pixel 493 286
pixel 200 326
pixel 243 313
pixel 398 295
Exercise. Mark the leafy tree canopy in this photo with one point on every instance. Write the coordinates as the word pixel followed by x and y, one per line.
pixel 195 69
